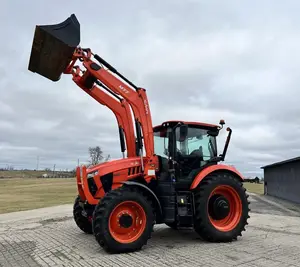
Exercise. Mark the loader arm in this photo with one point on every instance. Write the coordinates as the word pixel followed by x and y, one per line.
pixel 120 108
pixel 137 97
pixel 55 51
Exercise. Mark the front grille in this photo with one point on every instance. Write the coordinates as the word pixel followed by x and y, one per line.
pixel 92 186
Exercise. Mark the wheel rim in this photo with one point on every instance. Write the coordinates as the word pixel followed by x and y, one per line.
pixel 224 208
pixel 127 222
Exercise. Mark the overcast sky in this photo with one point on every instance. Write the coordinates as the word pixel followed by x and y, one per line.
pixel 198 60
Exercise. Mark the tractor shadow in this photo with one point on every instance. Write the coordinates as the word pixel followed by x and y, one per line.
pixel 162 239
pixel 170 238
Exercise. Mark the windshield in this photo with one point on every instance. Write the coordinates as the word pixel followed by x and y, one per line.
pixel 197 143
pixel 161 140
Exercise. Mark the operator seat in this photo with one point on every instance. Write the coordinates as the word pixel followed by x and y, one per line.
pixel 198 152
pixel 194 159
pixel 190 166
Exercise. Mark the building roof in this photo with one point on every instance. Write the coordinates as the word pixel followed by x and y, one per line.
pixel 281 162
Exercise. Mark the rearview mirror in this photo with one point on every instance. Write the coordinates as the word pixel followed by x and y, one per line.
pixel 183 132
pixel 212 133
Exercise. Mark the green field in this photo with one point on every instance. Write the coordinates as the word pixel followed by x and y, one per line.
pixel 22 174
pixel 18 194
pixel 33 174
pixel 254 188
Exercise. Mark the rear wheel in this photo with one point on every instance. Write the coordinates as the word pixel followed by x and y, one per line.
pixel 82 218
pixel 123 220
pixel 221 208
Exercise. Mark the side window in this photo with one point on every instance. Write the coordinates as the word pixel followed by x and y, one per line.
pixel 159 146
pixel 199 142
pixel 161 142
pixel 193 144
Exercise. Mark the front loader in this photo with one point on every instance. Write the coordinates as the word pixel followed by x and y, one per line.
pixel 171 173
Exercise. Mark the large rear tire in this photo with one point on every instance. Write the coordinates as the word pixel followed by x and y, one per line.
pixel 221 208
pixel 84 222
pixel 123 220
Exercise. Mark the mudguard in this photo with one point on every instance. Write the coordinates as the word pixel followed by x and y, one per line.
pixel 219 167
pixel 148 190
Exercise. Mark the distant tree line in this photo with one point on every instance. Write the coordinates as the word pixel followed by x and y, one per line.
pixel 255 180
pixel 7 168
pixel 96 156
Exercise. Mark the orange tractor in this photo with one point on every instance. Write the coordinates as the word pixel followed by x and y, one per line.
pixel 170 173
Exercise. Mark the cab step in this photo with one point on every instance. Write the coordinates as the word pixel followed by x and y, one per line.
pixel 185 208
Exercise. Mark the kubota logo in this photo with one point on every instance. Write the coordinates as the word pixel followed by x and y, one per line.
pixel 123 89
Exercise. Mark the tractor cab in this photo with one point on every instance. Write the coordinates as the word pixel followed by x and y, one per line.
pixel 186 148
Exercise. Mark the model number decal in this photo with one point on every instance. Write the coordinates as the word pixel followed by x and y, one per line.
pixel 146 106
pixel 123 89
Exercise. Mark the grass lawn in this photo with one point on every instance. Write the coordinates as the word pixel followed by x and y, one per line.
pixel 18 194
pixel 254 188
pixel 25 174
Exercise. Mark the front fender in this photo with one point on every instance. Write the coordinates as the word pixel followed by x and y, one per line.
pixel 220 167
pixel 147 189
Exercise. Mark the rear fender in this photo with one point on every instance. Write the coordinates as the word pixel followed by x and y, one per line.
pixel 215 168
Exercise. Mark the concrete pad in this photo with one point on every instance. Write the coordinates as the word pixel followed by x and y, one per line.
pixel 49 237
pixel 49 212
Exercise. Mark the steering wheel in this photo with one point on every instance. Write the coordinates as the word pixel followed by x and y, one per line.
pixel 195 152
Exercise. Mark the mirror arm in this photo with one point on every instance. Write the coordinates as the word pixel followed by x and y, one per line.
pixel 222 156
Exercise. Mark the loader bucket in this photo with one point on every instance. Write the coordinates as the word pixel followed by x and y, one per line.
pixel 53 47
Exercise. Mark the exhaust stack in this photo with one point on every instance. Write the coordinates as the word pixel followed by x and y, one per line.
pixel 53 47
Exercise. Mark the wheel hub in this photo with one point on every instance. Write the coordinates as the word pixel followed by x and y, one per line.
pixel 125 221
pixel 219 207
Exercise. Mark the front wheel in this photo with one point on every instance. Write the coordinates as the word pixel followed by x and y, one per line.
pixel 82 218
pixel 123 220
pixel 221 208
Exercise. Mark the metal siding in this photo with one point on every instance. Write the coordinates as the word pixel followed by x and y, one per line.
pixel 283 181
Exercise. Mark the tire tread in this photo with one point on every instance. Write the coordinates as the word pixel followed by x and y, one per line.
pixel 202 225
pixel 81 221
pixel 101 218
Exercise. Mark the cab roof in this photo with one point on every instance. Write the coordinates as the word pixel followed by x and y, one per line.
pixel 192 123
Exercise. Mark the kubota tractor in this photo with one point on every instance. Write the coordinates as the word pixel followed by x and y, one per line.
pixel 171 173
